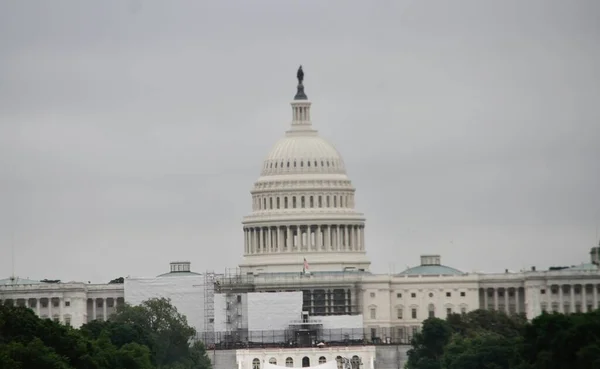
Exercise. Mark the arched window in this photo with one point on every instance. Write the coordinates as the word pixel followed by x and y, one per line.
pixel 289 362
pixel 285 202
pixel 273 361
pixel 305 362
pixel 294 202
pixel 431 311
pixel 322 359
pixel 355 362
pixel 255 364
pixel 312 202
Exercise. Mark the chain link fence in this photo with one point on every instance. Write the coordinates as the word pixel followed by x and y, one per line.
pixel 306 338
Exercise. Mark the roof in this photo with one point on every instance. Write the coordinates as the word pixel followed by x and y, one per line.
pixel 584 266
pixel 178 274
pixel 431 270
pixel 17 281
pixel 300 153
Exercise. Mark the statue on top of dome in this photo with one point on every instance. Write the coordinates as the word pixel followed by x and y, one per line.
pixel 300 95
pixel 300 75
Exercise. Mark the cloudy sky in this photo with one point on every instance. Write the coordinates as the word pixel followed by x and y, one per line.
pixel 131 132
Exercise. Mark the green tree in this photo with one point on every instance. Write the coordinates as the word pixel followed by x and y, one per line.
pixel 485 350
pixel 428 345
pixel 18 355
pixel 155 324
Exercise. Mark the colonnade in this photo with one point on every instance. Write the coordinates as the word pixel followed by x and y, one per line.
pixel 292 238
pixel 507 299
pixel 103 303
pixel 560 298
pixel 570 298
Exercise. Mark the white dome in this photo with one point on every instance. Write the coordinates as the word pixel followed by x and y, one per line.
pixel 303 206
pixel 303 153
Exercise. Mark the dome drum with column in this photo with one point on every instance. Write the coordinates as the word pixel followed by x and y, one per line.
pixel 303 206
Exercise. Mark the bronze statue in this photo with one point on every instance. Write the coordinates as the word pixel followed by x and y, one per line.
pixel 300 75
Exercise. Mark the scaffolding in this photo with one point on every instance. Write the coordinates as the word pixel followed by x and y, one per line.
pixel 336 293
pixel 209 308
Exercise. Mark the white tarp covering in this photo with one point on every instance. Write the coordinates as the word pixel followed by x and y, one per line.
pixel 332 364
pixel 273 311
pixel 342 327
pixel 186 293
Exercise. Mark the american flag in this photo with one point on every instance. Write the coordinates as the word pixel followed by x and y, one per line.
pixel 305 265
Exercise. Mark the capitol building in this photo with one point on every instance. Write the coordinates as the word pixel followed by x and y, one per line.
pixel 303 237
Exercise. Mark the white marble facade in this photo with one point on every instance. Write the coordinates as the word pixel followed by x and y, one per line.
pixel 303 209
pixel 72 303
pixel 361 357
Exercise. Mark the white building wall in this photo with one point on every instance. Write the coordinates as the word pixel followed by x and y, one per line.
pixel 71 299
pixel 273 311
pixel 220 313
pixel 388 301
pixel 366 354
pixel 186 294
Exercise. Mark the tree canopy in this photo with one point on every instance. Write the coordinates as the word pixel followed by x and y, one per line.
pixel 484 339
pixel 153 335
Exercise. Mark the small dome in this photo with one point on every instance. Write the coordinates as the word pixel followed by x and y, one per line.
pixel 431 270
pixel 304 153
pixel 431 265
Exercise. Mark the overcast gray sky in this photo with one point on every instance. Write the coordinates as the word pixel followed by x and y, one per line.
pixel 131 132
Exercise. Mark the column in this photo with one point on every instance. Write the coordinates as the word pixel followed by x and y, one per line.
pixel 319 237
pixel 250 241
pixel 279 239
pixel 517 302
pixel 260 237
pixel 104 309
pixel 328 237
pixel 60 309
pixel 496 299
pixel 94 309
pixel 506 308
pixel 37 306
pixel 289 238
pixel 345 246
pixel 337 237
pixel 595 294
pixel 255 240
pixel 269 243
pixel 245 241
pixel 572 290
pixel 560 299
pixel 485 298
pixel 350 241
pixel 249 231
pixel 362 238
pixel 50 307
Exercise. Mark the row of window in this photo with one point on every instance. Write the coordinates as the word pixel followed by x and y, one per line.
pixel 414 294
pixel 300 164
pixel 302 202
pixel 289 362
pixel 567 307
pixel 33 302
pixel 414 312
pixel 56 318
